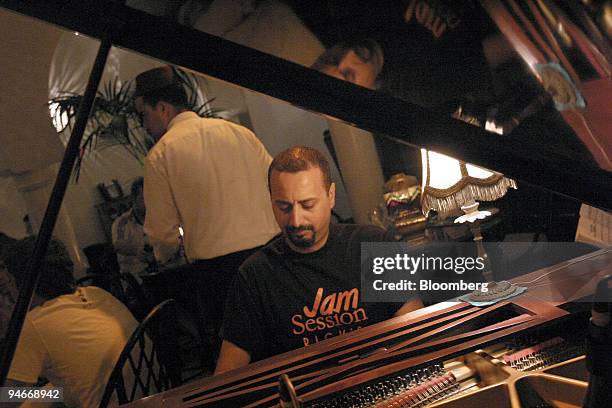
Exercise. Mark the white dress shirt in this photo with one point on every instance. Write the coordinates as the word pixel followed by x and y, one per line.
pixel 208 176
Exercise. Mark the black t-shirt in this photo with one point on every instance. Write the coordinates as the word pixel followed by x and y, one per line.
pixel 282 300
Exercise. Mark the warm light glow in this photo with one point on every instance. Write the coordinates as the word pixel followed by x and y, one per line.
pixel 449 184
pixel 423 169
pixel 59 121
pixel 444 171
pixel 477 172
pixel 181 230
pixel 492 127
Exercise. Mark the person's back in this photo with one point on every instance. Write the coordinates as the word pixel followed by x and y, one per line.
pixel 74 341
pixel 219 171
pixel 207 178
pixel 71 336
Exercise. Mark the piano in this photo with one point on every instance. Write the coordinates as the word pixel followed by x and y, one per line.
pixel 524 352
pixel 527 351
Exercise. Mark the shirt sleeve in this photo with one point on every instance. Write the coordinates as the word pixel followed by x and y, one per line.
pixel 260 150
pixel 392 246
pixel 30 355
pixel 162 219
pixel 242 319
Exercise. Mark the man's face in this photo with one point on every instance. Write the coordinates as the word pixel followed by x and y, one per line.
pixel 302 207
pixel 152 117
pixel 353 69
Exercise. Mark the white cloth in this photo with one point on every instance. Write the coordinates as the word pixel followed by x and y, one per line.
pixel 210 177
pixel 130 241
pixel 74 341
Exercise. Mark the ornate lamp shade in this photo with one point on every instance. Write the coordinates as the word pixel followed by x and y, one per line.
pixel 450 184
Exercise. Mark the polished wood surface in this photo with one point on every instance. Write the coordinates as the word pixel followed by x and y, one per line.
pixel 567 281
pixel 416 339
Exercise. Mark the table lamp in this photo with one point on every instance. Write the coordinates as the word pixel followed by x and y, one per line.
pixel 449 184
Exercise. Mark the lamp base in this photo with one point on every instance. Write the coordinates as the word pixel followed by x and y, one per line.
pixel 472 214
pixel 495 291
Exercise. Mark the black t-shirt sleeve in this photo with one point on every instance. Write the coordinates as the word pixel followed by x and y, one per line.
pixel 242 319
pixel 371 233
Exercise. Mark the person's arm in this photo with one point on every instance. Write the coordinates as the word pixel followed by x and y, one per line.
pixel 14 383
pixel 28 360
pixel 409 306
pixel 162 219
pixel 230 357
pixel 381 235
pixel 242 329
pixel 414 303
pixel 259 153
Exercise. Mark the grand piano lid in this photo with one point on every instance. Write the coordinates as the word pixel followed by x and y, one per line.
pixel 528 153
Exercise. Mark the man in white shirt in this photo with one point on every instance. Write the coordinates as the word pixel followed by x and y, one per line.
pixel 207 176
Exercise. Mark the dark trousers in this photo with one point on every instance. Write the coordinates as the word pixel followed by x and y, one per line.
pixel 200 288
pixel 213 278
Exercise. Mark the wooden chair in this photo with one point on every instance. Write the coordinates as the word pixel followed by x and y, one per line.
pixel 149 357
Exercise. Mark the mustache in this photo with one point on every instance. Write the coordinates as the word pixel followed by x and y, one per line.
pixel 290 229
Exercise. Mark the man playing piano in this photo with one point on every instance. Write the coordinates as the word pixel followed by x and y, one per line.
pixel 304 286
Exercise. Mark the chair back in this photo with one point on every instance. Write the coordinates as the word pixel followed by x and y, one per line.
pixel 147 357
pixel 124 287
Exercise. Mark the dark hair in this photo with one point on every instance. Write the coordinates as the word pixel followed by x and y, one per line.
pixel 161 84
pixel 300 158
pixel 174 94
pixel 56 277
pixel 136 187
pixel 366 49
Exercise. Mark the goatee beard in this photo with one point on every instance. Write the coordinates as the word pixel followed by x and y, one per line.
pixel 300 242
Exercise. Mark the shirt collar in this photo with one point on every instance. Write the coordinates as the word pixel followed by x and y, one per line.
pixel 181 117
